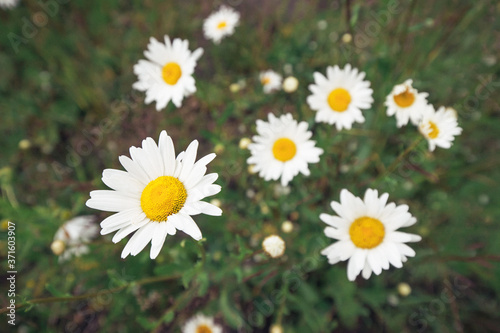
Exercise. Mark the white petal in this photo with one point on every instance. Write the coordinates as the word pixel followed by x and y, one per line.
pixel 121 181
pixel 186 224
pixel 167 150
pixel 207 208
pixel 188 161
pixel 125 216
pixel 159 237
pixel 122 233
pixel 110 201
pixel 367 272
pixel 143 236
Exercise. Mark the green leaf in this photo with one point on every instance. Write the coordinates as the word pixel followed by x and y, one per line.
pixel 244 250
pixel 203 282
pixel 54 292
pixel 232 316
pixel 146 323
pixel 168 317
pixel 188 276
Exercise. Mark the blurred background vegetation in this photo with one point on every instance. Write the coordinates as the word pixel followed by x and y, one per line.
pixel 68 111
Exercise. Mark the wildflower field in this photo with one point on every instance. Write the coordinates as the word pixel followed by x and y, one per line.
pixel 249 166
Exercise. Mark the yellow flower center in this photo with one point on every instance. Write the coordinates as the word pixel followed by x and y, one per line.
pixel 265 80
pixel 163 197
pixel 433 131
pixel 367 232
pixel 284 149
pixel 203 329
pixel 405 99
pixel 339 99
pixel 171 73
pixel 221 25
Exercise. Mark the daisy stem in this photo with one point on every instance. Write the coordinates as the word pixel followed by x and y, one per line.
pixel 158 327
pixel 281 309
pixel 400 158
pixel 203 254
pixel 348 16
pixel 95 294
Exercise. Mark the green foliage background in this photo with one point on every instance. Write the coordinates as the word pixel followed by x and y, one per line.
pixel 65 85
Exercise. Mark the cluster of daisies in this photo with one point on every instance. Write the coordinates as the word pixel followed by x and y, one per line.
pixel 160 191
pixel 408 105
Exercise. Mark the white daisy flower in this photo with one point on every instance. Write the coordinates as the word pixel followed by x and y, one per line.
pixel 72 237
pixel 282 149
pixel 156 195
pixel 201 324
pixel 366 233
pixel 290 84
pixel 439 127
pixel 339 97
pixel 270 80
pixel 274 246
pixel 167 75
pixel 406 103
pixel 9 4
pixel 220 24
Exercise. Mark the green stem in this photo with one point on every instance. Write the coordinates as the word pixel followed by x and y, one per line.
pixel 284 292
pixel 398 160
pixel 92 295
pixel 174 306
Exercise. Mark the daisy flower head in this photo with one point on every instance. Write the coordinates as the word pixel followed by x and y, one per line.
pixel 72 237
pixel 156 195
pixel 201 324
pixel 406 103
pixel 366 233
pixel 339 97
pixel 167 74
pixel 290 84
pixel 270 80
pixel 439 127
pixel 9 4
pixel 282 149
pixel 220 24
pixel 274 246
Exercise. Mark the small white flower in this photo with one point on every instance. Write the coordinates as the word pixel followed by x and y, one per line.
pixel 274 246
pixel 282 149
pixel 234 87
pixel 270 80
pixel 346 38
pixel 439 127
pixel 220 24
pixel 201 324
pixel 72 237
pixel 156 195
pixel 366 233
pixel 452 110
pixel 280 190
pixel 167 75
pixel 244 142
pixel 290 84
pixel 9 4
pixel 287 227
pixel 276 328
pixel 339 97
pixel 58 247
pixel 404 289
pixel 406 103
pixel 322 24
pixel 216 202
pixel 251 169
pixel 24 144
